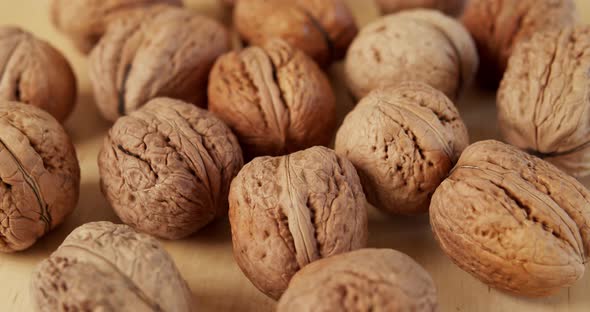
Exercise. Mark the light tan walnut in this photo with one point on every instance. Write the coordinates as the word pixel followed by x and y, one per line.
pixel 450 7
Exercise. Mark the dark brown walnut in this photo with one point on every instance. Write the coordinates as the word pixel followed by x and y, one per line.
pixel 543 102
pixel 275 98
pixel 164 52
pixel 39 175
pixel 403 141
pixel 85 21
pixel 444 56
pixel 286 212
pixel 361 280
pixel 103 266
pixel 498 25
pixel 34 72
pixel 512 220
pixel 321 28
pixel 450 7
pixel 166 168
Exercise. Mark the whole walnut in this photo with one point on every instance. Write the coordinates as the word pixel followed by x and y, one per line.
pixel 34 72
pixel 164 52
pixel 39 175
pixel 361 280
pixel 429 47
pixel 166 168
pixel 275 98
pixel 403 141
pixel 450 7
pixel 288 211
pixel 543 103
pixel 512 220
pixel 321 28
pixel 103 266
pixel 85 21
pixel 497 26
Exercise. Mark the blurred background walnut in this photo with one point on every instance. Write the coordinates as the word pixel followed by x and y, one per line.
pixel 450 7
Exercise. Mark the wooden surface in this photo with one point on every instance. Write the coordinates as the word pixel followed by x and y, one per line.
pixel 205 259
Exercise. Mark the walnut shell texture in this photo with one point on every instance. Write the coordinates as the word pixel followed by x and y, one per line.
pixel 403 141
pixel 288 211
pixel 543 101
pixel 39 175
pixel 166 168
pixel 34 72
pixel 323 29
pixel 444 57
pixel 275 98
pixel 361 280
pixel 450 7
pixel 103 266
pixel 165 52
pixel 513 220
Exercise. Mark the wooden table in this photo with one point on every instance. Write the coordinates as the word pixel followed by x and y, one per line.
pixel 205 259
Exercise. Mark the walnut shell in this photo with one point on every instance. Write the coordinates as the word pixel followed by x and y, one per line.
pixel 103 266
pixel 450 7
pixel 286 212
pixel 164 52
pixel 34 72
pixel 275 98
pixel 85 21
pixel 361 280
pixel 543 103
pixel 497 26
pixel 403 141
pixel 39 175
pixel 166 168
pixel 513 220
pixel 444 57
pixel 321 28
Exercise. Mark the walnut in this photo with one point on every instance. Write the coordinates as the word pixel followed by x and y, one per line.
pixel 403 141
pixel 34 72
pixel 275 98
pixel 450 7
pixel 166 52
pixel 166 168
pixel 543 99
pixel 286 212
pixel 497 26
pixel 443 56
pixel 39 175
pixel 321 28
pixel 361 280
pixel 85 21
pixel 513 220
pixel 103 266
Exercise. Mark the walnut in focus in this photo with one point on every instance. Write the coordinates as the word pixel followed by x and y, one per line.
pixel 275 98
pixel 286 212
pixel 361 280
pixel 35 73
pixel 323 29
pixel 163 52
pixel 403 141
pixel 450 7
pixel 39 175
pixel 102 266
pixel 419 45
pixel 513 220
pixel 166 168
pixel 543 102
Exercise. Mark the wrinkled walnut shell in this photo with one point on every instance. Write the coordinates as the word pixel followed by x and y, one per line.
pixel 39 175
pixel 403 141
pixel 164 52
pixel 286 212
pixel 102 266
pixel 513 220
pixel 34 72
pixel 275 98
pixel 450 7
pixel 166 168
pixel 361 280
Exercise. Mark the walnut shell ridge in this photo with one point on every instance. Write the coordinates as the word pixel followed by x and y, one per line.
pixel 512 220
pixel 449 7
pixel 288 211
